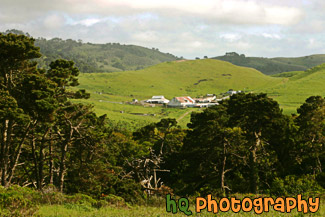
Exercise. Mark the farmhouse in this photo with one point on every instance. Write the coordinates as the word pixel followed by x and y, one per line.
pixel 185 101
pixel 158 100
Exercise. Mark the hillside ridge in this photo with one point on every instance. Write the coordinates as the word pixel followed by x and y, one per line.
pixel 270 66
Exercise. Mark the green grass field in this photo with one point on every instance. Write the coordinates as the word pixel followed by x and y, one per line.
pixel 110 92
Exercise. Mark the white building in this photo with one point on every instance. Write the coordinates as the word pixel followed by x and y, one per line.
pixel 231 92
pixel 206 99
pixel 185 101
pixel 205 105
pixel 158 100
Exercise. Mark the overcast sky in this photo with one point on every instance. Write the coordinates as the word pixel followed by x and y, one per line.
pixel 188 28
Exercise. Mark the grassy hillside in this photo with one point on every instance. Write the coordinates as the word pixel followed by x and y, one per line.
pixel 178 78
pixel 293 91
pixel 270 66
pixel 195 78
pixel 100 57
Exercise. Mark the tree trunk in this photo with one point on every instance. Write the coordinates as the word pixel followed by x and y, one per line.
pixel 51 158
pixel 33 146
pixel 64 149
pixel 17 153
pixel 254 178
pixel 3 150
pixel 222 180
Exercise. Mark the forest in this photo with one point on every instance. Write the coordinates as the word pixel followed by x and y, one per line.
pixel 50 143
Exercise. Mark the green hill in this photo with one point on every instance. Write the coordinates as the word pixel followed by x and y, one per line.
pixel 111 91
pixel 271 66
pixel 298 86
pixel 100 57
pixel 178 78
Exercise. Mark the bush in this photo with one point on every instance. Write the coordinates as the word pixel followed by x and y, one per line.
pixel 130 191
pixel 80 199
pixel 19 201
pixel 293 185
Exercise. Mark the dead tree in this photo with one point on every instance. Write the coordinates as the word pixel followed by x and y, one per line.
pixel 145 171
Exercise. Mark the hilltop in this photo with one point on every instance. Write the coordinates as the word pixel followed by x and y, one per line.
pixel 271 66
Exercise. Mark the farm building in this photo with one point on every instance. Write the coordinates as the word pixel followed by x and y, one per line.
pixel 158 100
pixel 205 105
pixel 206 99
pixel 185 101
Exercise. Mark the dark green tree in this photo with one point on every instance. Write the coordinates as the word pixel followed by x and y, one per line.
pixel 311 122
pixel 236 135
pixel 16 53
pixel 257 115
pixel 212 149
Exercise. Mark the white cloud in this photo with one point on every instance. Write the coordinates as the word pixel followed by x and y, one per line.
pixel 186 28
pixel 272 36
pixel 230 11
pixel 53 21
pixel 88 22
pixel 147 36
pixel 230 37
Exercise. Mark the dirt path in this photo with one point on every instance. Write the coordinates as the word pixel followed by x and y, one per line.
pixel 181 117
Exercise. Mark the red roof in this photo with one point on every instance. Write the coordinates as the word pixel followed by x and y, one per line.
pixel 185 99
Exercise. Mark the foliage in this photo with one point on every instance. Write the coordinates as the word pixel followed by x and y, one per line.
pixel 46 139
pixel 232 139
pixel 293 185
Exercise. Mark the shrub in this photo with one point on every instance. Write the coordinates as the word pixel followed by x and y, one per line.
pixel 130 191
pixel 80 199
pixel 293 185
pixel 19 201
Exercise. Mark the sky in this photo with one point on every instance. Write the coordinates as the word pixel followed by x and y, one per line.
pixel 188 28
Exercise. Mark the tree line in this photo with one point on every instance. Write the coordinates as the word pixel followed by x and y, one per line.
pixel 245 144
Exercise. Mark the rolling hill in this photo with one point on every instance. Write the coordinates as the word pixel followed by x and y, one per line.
pixel 271 66
pixel 90 57
pixel 177 78
pixel 109 91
